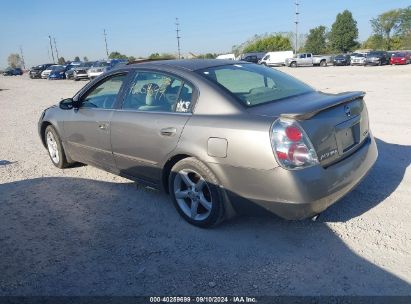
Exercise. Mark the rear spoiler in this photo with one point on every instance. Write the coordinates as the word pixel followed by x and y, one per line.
pixel 334 100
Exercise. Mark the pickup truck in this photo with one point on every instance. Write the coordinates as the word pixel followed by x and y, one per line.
pixel 307 59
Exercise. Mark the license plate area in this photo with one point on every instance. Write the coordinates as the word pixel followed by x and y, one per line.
pixel 348 135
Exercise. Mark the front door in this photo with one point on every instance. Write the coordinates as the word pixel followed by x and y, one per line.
pixel 148 126
pixel 87 130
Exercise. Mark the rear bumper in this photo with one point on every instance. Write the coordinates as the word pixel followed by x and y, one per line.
pixel 297 194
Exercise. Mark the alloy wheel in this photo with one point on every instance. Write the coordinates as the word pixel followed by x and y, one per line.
pixel 193 194
pixel 52 147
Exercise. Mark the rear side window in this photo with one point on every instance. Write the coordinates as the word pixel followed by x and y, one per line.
pixel 253 84
pixel 157 92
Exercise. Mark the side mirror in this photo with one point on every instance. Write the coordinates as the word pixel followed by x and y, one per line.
pixel 68 104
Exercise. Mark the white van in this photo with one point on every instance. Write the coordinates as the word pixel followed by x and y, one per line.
pixel 226 56
pixel 276 58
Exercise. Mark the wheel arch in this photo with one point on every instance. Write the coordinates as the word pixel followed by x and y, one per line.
pixel 167 169
pixel 43 127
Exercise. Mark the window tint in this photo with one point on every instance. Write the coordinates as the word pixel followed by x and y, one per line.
pixel 308 55
pixel 104 95
pixel 158 92
pixel 254 84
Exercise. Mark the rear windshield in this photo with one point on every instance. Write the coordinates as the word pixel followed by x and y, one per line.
pixel 254 84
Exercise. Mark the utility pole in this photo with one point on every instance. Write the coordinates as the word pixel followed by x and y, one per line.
pixel 105 41
pixel 296 25
pixel 178 38
pixel 22 57
pixel 55 46
pixel 51 47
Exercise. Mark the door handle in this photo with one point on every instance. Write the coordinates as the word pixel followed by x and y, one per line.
pixel 102 126
pixel 168 131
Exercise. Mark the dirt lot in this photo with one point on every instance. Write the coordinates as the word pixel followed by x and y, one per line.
pixel 82 231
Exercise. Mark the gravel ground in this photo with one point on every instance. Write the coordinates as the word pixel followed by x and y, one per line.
pixel 82 231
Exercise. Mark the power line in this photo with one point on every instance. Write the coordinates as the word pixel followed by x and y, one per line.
pixel 22 57
pixel 178 38
pixel 105 41
pixel 297 13
pixel 51 47
pixel 55 46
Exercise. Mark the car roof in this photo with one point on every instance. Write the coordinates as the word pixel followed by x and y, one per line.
pixel 186 64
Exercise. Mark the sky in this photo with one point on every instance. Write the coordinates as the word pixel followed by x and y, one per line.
pixel 142 27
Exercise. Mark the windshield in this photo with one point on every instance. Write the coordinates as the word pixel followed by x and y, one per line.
pixel 101 64
pixel 58 68
pixel 53 67
pixel 87 64
pixel 253 84
pixel 340 57
pixel 398 55
pixel 374 54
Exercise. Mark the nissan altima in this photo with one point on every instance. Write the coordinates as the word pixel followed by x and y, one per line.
pixel 217 135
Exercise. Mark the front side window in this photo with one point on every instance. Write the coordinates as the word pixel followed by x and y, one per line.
pixel 152 91
pixel 105 94
pixel 253 84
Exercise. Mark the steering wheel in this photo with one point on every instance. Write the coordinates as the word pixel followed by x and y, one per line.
pixel 150 87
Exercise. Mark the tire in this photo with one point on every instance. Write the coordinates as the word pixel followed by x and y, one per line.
pixel 293 64
pixel 323 63
pixel 199 186
pixel 55 148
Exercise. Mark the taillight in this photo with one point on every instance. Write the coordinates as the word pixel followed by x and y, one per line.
pixel 291 145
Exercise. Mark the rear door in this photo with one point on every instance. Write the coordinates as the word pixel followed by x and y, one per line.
pixel 147 128
pixel 87 129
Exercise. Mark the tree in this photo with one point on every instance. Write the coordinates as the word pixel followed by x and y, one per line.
pixel 207 56
pixel 344 32
pixel 405 22
pixel 374 42
pixel 77 58
pixel 14 60
pixel 316 42
pixel 158 56
pixel 85 58
pixel 386 25
pixel 270 43
pixel 117 55
pixel 131 58
pixel 61 60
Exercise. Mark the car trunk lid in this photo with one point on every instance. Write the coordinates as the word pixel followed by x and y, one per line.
pixel 337 124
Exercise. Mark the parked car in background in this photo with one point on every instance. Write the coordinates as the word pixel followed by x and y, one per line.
pixel 13 72
pixel 226 56
pixel 342 59
pixel 80 72
pixel 70 72
pixel 307 59
pixel 358 58
pixel 46 73
pixel 377 58
pixel 400 58
pixel 59 72
pixel 254 57
pixel 35 72
pixel 276 58
pixel 101 67
pixel 308 148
